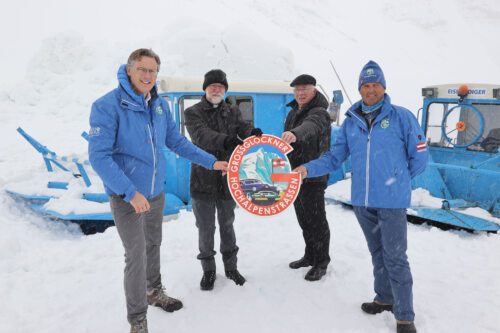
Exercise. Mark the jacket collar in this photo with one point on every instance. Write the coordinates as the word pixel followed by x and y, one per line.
pixel 386 109
pixel 207 106
pixel 318 101
pixel 128 97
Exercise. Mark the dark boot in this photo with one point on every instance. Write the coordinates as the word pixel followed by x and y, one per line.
pixel 315 273
pixel 302 262
pixel 208 280
pixel 141 326
pixel 236 277
pixel 406 327
pixel 374 307
pixel 157 297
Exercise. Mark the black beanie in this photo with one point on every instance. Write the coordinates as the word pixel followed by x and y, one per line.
pixel 215 76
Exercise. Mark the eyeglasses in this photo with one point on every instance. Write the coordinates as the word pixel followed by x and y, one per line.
pixel 216 86
pixel 302 90
pixel 145 71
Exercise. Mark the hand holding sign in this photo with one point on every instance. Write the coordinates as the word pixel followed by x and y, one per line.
pixel 232 142
pixel 222 166
pixel 256 132
pixel 288 137
pixel 302 171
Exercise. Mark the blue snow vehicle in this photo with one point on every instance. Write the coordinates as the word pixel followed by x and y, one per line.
pixel 262 103
pixel 462 127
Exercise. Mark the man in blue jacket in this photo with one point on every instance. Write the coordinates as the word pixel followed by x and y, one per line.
pixel 387 148
pixel 129 127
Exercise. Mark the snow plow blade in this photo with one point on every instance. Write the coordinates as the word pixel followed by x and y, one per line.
pixel 454 218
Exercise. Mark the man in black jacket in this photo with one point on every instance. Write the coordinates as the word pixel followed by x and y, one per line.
pixel 307 129
pixel 217 128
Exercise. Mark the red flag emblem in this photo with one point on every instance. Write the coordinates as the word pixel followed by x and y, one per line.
pixel 421 146
pixel 278 162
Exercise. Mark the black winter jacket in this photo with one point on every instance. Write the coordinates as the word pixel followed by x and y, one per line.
pixel 311 125
pixel 209 127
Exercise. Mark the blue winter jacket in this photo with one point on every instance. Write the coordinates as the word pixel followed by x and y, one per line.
pixel 126 139
pixel 384 158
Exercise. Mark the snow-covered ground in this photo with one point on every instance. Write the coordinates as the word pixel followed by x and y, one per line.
pixel 58 56
pixel 56 280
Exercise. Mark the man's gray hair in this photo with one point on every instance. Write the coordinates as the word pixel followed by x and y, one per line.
pixel 139 53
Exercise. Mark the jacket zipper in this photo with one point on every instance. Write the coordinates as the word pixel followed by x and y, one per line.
pixel 154 161
pixel 367 173
pixel 367 168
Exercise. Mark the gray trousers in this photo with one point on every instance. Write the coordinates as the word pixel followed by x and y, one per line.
pixel 204 212
pixel 141 236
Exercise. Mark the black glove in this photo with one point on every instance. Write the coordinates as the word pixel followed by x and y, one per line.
pixel 256 131
pixel 231 142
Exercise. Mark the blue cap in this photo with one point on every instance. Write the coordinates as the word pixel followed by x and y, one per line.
pixel 371 73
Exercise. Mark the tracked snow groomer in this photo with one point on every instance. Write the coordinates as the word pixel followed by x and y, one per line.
pixel 461 185
pixel 462 126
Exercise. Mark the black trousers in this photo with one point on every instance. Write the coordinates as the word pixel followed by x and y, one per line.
pixel 310 211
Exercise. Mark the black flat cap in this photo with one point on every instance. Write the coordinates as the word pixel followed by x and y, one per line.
pixel 303 79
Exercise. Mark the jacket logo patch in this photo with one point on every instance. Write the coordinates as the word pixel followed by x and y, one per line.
pixel 94 131
pixel 159 110
pixel 384 123
pixel 260 178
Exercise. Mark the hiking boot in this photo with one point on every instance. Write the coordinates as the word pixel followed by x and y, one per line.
pixel 157 297
pixel 236 277
pixel 207 281
pixel 375 307
pixel 406 327
pixel 315 273
pixel 141 326
pixel 302 262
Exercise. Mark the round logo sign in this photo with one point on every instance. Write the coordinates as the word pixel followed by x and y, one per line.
pixel 260 178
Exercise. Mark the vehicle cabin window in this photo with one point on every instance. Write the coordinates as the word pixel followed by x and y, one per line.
pixel 169 102
pixel 462 126
pixel 245 104
pixel 184 103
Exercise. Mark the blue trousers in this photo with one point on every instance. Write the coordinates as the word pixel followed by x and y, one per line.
pixel 385 232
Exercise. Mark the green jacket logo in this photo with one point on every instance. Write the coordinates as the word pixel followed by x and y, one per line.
pixel 385 123
pixel 159 110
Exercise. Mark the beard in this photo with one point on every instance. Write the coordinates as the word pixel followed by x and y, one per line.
pixel 215 98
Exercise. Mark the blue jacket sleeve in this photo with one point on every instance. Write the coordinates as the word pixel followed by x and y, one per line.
pixel 416 146
pixel 332 159
pixel 103 128
pixel 176 142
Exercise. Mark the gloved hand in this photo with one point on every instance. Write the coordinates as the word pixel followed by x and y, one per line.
pixel 231 142
pixel 256 131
